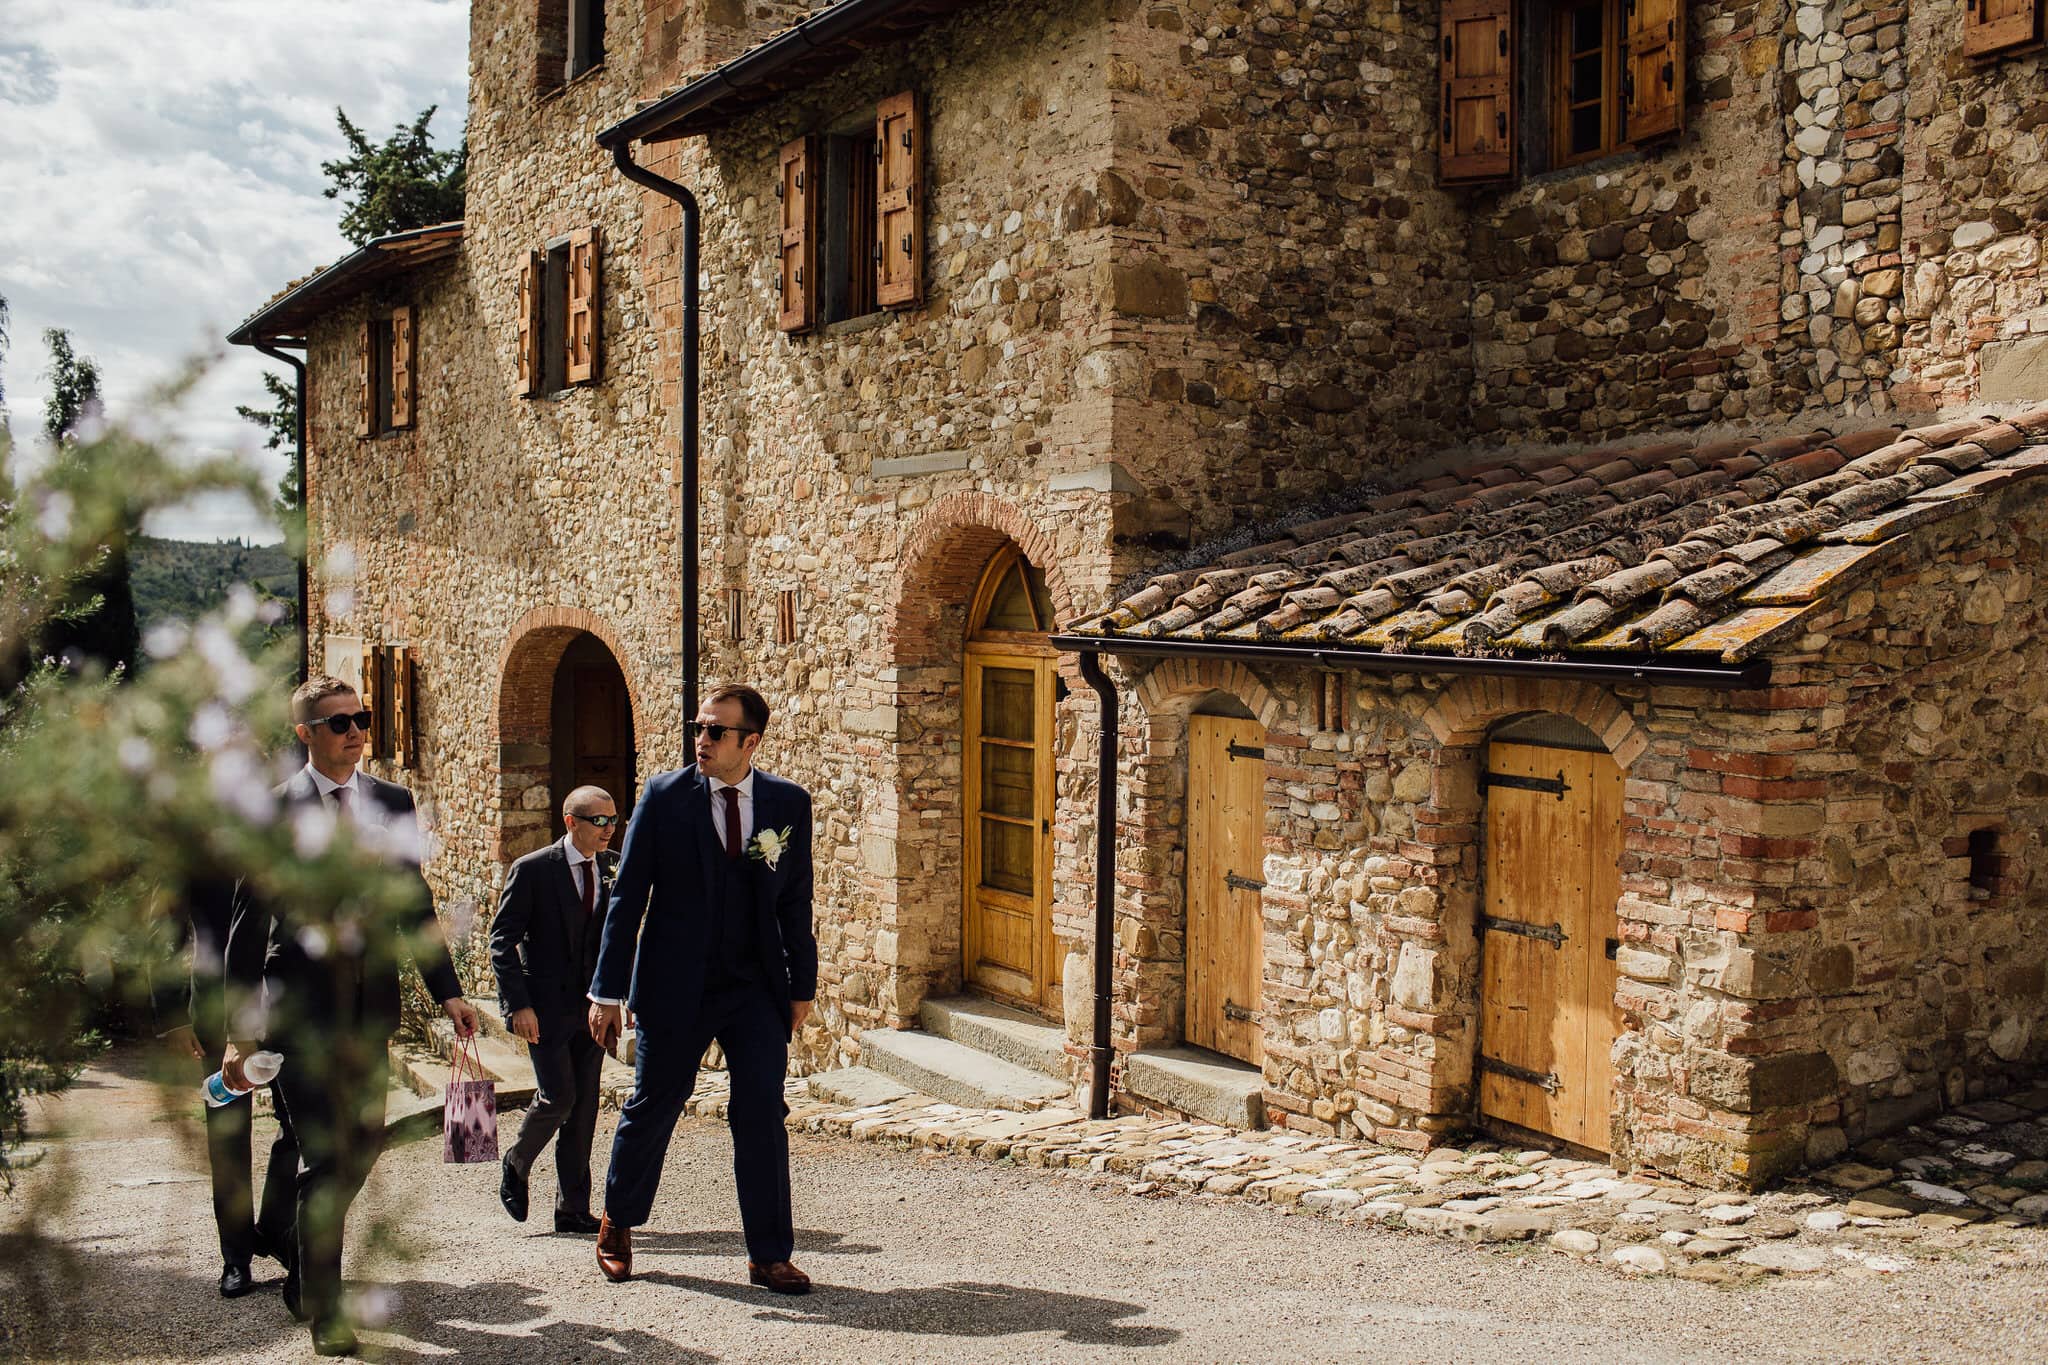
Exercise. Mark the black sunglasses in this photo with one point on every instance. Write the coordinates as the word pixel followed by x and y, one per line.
pixel 339 724
pixel 601 821
pixel 715 733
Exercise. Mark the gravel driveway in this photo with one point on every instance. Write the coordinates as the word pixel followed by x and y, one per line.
pixel 917 1257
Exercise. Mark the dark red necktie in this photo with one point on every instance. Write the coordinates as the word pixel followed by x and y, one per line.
pixel 341 801
pixel 732 821
pixel 589 887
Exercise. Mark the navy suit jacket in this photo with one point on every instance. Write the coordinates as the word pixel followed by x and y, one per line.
pixel 673 876
pixel 542 948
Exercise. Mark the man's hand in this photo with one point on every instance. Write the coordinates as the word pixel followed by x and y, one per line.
pixel 799 1010
pixel 605 1025
pixel 231 1066
pixel 184 1042
pixel 463 1013
pixel 525 1025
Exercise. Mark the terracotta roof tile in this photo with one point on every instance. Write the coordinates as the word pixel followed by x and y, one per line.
pixel 1666 547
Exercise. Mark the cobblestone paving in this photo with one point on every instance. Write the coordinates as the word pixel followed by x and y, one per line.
pixel 1975 1177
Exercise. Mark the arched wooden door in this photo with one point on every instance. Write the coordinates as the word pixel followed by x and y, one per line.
pixel 592 728
pixel 1009 685
pixel 1548 1017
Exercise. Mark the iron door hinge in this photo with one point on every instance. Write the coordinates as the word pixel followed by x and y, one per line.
pixel 1238 750
pixel 1233 1010
pixel 1554 785
pixel 1545 1081
pixel 1237 883
pixel 1552 934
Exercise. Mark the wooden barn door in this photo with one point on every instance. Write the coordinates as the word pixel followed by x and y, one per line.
pixel 1226 860
pixel 1548 1019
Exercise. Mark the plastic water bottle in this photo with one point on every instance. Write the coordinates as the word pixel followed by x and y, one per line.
pixel 260 1068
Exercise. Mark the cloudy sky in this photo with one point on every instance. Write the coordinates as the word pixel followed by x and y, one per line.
pixel 160 179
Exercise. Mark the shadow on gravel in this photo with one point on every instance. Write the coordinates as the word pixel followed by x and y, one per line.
pixel 959 1309
pixel 481 1323
pixel 108 1303
pixel 809 1241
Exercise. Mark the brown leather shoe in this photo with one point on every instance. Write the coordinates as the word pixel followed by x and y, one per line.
pixel 614 1250
pixel 780 1276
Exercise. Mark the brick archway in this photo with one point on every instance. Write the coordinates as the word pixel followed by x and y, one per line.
pixel 522 721
pixel 912 876
pixel 1466 709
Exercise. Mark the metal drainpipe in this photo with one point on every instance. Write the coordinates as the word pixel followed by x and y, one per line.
pixel 299 463
pixel 622 157
pixel 1100 1051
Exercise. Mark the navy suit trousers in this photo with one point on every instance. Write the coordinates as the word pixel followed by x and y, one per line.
pixel 747 1023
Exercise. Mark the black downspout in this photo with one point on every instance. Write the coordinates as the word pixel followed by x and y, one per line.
pixel 622 157
pixel 1105 882
pixel 305 524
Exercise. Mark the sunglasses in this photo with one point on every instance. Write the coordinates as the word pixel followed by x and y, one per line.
pixel 715 733
pixel 339 724
pixel 601 821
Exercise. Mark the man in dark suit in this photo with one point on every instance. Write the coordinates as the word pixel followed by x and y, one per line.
pixel 322 988
pixel 192 1016
pixel 544 948
pixel 718 864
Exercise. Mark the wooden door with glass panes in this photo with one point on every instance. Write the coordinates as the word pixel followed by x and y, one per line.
pixel 1010 686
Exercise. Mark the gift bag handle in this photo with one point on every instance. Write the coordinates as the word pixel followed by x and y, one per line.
pixel 465 1054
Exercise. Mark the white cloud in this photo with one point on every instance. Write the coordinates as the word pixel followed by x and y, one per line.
pixel 160 179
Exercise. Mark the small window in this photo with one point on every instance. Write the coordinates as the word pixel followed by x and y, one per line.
pixel 384 374
pixel 1584 120
pixel 850 218
pixel 559 311
pixel 1991 27
pixel 1987 865
pixel 586 36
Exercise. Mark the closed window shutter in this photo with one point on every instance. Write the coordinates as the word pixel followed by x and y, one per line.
pixel 404 745
pixel 585 307
pixel 1994 25
pixel 1653 71
pixel 402 351
pixel 795 279
pixel 527 382
pixel 899 202
pixel 366 383
pixel 1476 103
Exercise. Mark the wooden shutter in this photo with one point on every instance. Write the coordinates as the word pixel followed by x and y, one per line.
pixel 366 383
pixel 796 281
pixel 899 202
pixel 1994 25
pixel 586 311
pixel 531 272
pixel 1653 69
pixel 372 695
pixel 402 353
pixel 1477 46
pixel 404 741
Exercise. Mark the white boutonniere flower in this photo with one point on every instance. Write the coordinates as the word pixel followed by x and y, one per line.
pixel 768 845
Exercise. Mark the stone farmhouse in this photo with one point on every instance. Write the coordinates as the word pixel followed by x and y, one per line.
pixel 1519 511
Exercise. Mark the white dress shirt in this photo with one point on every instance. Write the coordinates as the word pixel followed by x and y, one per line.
pixel 326 786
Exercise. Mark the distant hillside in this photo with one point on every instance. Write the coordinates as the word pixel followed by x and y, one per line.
pixel 186 578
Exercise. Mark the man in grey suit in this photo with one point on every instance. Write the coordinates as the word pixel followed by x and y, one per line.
pixel 544 948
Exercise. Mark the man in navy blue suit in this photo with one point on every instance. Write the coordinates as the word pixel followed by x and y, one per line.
pixel 717 863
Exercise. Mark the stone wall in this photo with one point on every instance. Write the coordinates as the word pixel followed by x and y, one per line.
pixel 1976 200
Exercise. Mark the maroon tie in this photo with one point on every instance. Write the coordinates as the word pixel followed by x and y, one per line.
pixel 341 801
pixel 589 887
pixel 732 821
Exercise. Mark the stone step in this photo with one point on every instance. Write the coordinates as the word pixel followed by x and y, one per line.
pixel 1205 1085
pixel 956 1073
pixel 999 1030
pixel 857 1087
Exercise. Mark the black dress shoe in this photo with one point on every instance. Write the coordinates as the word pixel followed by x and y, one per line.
pixel 235 1280
pixel 332 1337
pixel 575 1222
pixel 512 1191
pixel 290 1295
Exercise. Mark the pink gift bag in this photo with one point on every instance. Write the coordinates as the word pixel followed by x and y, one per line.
pixel 469 1110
